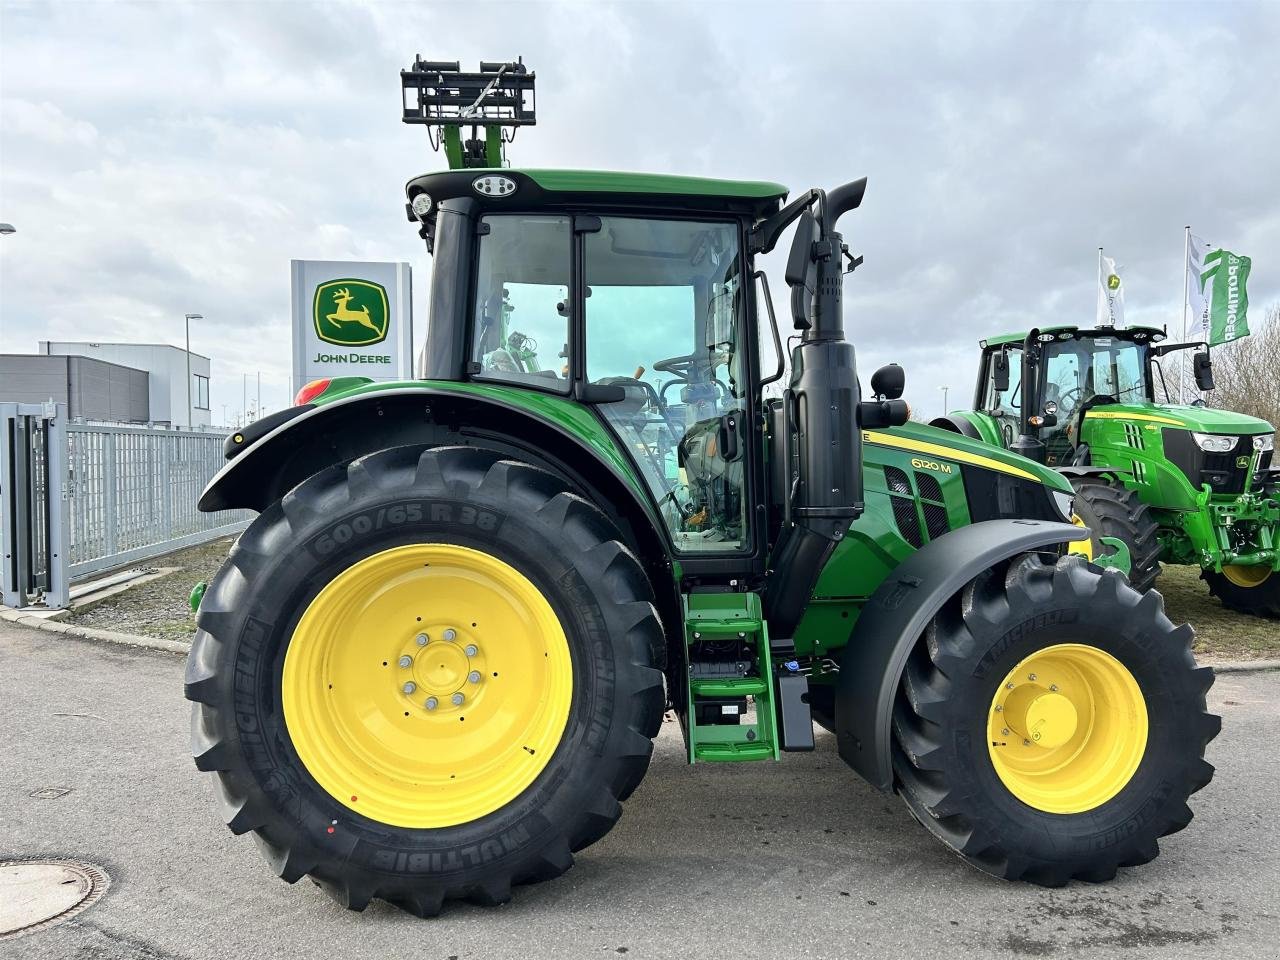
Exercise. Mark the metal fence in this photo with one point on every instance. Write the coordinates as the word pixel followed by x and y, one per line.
pixel 78 499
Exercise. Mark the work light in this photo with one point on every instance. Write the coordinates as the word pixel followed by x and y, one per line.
pixel 1265 442
pixel 421 205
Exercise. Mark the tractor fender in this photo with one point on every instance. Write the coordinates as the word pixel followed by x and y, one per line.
pixel 894 618
pixel 960 425
pixel 350 427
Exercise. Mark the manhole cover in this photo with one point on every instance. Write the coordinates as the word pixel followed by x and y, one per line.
pixel 35 894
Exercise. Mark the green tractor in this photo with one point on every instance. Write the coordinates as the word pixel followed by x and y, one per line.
pixel 434 666
pixel 1178 483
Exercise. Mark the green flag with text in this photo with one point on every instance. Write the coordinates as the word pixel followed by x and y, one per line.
pixel 1225 280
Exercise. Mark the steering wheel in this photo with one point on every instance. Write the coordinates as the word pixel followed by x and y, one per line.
pixel 1065 399
pixel 682 367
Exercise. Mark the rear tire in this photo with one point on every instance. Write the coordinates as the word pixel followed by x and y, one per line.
pixel 1262 599
pixel 946 765
pixel 1111 510
pixel 474 504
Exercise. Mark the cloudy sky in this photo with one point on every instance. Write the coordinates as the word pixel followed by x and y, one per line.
pixel 165 158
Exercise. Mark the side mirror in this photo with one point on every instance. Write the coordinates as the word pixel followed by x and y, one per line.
pixel 1202 364
pixel 889 381
pixel 800 269
pixel 1000 372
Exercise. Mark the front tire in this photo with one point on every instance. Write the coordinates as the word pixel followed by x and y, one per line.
pixel 426 675
pixel 1111 510
pixel 1051 723
pixel 1253 590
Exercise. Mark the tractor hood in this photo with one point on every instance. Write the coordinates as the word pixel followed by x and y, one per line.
pixel 935 442
pixel 1185 416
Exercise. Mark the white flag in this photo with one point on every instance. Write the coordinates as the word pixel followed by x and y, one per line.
pixel 1110 293
pixel 1197 302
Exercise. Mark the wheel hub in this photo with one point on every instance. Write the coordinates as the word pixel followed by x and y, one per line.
pixel 441 670
pixel 1067 728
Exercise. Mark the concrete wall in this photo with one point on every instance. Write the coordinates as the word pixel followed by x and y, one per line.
pixel 167 367
pixel 92 389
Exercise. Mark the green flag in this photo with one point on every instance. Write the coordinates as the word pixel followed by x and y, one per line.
pixel 1225 277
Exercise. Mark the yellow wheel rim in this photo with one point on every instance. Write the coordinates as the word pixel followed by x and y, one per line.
pixel 427 685
pixel 1067 728
pixel 1247 577
pixel 1083 547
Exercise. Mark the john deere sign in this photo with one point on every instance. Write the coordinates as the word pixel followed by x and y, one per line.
pixel 351 319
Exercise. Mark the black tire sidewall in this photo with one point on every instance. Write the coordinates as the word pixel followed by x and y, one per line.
pixel 1262 600
pixel 299 570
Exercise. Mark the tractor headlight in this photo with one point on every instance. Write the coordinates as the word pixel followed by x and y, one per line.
pixel 1265 442
pixel 421 205
pixel 1215 443
pixel 1065 502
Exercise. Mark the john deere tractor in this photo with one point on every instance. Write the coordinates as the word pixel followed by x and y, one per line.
pixel 434 666
pixel 1178 483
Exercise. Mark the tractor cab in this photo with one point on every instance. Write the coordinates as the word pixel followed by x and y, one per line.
pixel 1039 386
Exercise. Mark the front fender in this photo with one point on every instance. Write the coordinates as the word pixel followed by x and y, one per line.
pixel 894 619
pixel 563 437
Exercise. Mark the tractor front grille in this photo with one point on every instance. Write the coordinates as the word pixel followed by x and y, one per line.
pixel 1223 472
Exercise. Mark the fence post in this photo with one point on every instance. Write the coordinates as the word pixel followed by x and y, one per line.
pixel 9 534
pixel 166 485
pixel 110 478
pixel 58 594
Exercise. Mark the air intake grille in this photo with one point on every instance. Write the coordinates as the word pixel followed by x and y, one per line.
pixel 903 502
pixel 935 520
pixel 1133 436
pixel 897 481
pixel 929 486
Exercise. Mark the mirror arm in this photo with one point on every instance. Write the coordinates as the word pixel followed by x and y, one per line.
pixel 764 235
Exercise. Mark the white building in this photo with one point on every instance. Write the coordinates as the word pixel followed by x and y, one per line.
pixel 167 367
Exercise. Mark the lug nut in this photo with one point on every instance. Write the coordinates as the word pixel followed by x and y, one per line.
pixel 422 639
pixel 1008 686
pixel 470 650
pixel 1026 743
pixel 474 676
pixel 406 661
pixel 1031 676
pixel 431 703
pixel 1053 688
pixel 1004 732
pixel 410 687
pixel 450 634
pixel 999 707
pixel 457 699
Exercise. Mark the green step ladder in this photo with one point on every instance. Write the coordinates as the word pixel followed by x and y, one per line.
pixel 711 616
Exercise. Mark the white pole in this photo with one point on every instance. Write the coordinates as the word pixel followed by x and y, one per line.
pixel 1102 290
pixel 1186 298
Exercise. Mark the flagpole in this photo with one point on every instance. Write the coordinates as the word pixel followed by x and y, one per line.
pixel 1186 300
pixel 1102 292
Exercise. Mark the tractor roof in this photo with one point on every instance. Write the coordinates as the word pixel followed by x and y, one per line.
pixel 604 188
pixel 1080 333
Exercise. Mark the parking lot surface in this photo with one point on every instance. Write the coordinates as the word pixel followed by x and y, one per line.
pixel 794 859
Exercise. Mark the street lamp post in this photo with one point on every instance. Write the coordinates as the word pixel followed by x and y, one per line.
pixel 190 317
pixel 944 388
pixel 6 229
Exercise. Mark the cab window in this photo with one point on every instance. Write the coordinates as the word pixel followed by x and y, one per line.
pixel 663 324
pixel 520 330
pixel 1005 406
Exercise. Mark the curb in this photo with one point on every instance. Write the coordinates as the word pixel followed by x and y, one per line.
pixel 1244 666
pixel 9 615
pixel 175 646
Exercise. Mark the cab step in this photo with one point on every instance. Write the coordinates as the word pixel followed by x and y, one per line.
pixel 719 688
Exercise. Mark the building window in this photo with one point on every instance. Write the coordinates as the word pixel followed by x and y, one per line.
pixel 200 398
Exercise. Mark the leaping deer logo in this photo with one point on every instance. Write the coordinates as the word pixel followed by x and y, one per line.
pixel 344 314
pixel 350 312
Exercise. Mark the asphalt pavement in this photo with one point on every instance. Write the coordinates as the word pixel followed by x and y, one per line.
pixel 794 859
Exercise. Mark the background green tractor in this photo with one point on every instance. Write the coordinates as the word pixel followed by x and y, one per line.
pixel 434 665
pixel 1182 484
